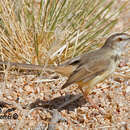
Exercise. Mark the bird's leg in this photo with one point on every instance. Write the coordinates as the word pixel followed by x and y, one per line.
pixel 89 99
pixel 86 92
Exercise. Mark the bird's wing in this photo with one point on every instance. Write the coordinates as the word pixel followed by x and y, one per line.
pixel 73 61
pixel 88 70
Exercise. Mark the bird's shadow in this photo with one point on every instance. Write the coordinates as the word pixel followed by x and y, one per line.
pixel 59 101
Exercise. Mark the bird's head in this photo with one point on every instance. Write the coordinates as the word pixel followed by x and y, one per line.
pixel 117 41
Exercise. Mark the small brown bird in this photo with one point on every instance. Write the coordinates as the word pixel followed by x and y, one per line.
pixel 91 68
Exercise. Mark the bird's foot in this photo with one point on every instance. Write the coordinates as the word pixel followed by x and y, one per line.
pixel 94 105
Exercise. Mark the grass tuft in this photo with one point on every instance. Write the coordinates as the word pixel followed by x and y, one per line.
pixel 51 31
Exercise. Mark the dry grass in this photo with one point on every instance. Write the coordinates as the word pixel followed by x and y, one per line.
pixel 51 32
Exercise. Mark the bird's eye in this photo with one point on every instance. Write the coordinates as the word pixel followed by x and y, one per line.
pixel 119 39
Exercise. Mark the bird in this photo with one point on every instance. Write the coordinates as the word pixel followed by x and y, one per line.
pixel 92 68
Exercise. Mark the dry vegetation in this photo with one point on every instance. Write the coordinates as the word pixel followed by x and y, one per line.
pixel 49 32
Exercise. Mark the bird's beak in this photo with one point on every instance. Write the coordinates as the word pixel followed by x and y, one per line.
pixel 128 39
